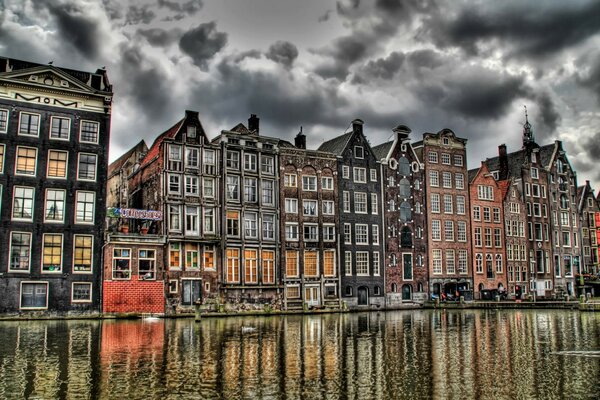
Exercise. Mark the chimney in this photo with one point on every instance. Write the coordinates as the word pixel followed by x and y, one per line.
pixel 503 159
pixel 357 125
pixel 402 132
pixel 300 140
pixel 253 123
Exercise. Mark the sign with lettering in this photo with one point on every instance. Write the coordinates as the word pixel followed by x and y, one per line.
pixel 132 213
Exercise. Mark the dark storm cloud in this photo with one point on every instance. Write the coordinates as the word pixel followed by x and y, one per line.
pixel 139 15
pixel 283 53
pixel 158 37
pixel 590 79
pixel 202 43
pixel 113 11
pixel 325 17
pixel 549 118
pixel 189 7
pixel 75 28
pixel 384 68
pixel 529 29
pixel 343 53
pixel 585 161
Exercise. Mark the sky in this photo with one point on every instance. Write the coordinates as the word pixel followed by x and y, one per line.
pixel 470 66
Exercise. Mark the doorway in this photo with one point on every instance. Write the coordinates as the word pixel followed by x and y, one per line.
pixel 363 296
pixel 191 291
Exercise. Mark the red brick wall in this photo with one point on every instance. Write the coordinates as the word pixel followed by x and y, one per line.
pixel 133 296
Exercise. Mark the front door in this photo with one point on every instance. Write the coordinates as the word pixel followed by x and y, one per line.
pixel 363 296
pixel 311 295
pixel 190 291
pixel 406 292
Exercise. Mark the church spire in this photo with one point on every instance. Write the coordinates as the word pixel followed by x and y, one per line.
pixel 527 132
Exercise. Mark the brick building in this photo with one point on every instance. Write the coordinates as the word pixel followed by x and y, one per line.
pixel 118 174
pixel 488 236
pixel 54 135
pixel 360 218
pixel 179 176
pixel 309 227
pixel 446 187
pixel 589 216
pixel 405 222
pixel 517 245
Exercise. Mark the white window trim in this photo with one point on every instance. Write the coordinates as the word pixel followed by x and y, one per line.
pixel 8 269
pixel 7 119
pixel 93 221
pixel 62 178
pixel 50 128
pixel 91 271
pixel 62 254
pixel 21 295
pixel 95 167
pixel 35 164
pixel 73 291
pixel 12 211
pixel 97 134
pixel 37 134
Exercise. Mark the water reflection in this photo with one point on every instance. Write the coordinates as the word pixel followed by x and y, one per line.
pixel 416 354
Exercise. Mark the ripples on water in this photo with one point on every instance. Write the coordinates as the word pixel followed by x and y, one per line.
pixel 395 355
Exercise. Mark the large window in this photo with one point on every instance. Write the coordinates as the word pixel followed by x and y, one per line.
pixel 208 187
pixel 360 202
pixel 327 183
pixel 311 233
pixel 191 220
pixel 3 121
pixel 60 128
pixel 233 187
pixel 436 229
pixel 485 192
pixel 291 206
pixel 85 207
pixel 310 208
pixel 267 165
pixel 290 180
pixel 291 231
pixel 360 175
pixel 34 295
pixel 121 265
pixel 361 234
pixel 191 157
pixel 82 253
pixel 329 262
pixel 249 161
pixel 174 184
pixel 447 179
pixel 86 167
pixel 209 220
pixel 462 262
pixel 250 225
pixel 209 160
pixel 311 263
pixel 174 158
pixel 20 252
pixel 437 261
pixel 233 223
pixel 29 124
pixel 362 263
pixel 309 183
pixel 268 266
pixel 328 207
pixel 405 211
pixel 23 203
pixel 450 261
pixel 268 197
pixel 250 267
pixel 57 164
pixel 89 132
pixel 174 218
pixel 191 185
pixel 26 161
pixel 434 179
pixel 52 245
pixel 250 190
pixel 232 159
pixel 268 227
pixel 233 265
pixel 291 264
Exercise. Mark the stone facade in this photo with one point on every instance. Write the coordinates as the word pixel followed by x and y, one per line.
pixel 54 136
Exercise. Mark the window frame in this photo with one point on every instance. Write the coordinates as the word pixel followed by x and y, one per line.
pixel 81 125
pixel 56 117
pixel 73 301
pixel 95 156
pixel 31 114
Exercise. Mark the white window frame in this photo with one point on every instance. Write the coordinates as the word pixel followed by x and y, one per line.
pixel 81 131
pixel 19 271
pixel 31 114
pixel 56 117
pixel 89 284
pixel 79 164
pixel 34 164
pixel 77 201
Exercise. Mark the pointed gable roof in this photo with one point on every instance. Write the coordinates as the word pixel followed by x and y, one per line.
pixel 337 144
pixel 154 150
pixel 382 150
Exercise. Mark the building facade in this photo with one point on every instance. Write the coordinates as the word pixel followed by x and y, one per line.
pixel 405 222
pixel 448 239
pixel 118 174
pixel 517 245
pixel 309 227
pixel 54 135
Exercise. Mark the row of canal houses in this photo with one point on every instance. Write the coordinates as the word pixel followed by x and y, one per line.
pixel 254 221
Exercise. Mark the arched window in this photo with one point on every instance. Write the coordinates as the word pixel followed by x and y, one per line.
pixel 405 213
pixel 417 208
pixel 403 166
pixel 479 263
pixel 392 205
pixel 498 263
pixel 417 184
pixel 391 181
pixel 488 266
pixel 419 232
pixel 404 186
pixel 420 262
pixel 393 260
pixel 406 237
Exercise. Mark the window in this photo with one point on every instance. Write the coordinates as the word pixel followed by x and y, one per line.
pixel 435 203
pixel 485 192
pixel 147 264
pixel 233 265
pixel 291 231
pixel 233 187
pixel 26 161
pixel 462 262
pixel 498 263
pixel 86 167
pixel 268 225
pixel 361 233
pixel 291 206
pixel 309 183
pixel 437 261
pixel 233 223
pixel 477 234
pixel 476 213
pixel 406 237
pixel 360 202
pixel 268 266
pixel 54 209
pixel 488 237
pixel 208 187
pixel 434 179
pixel 404 186
pixel 432 157
pixel 459 181
pixel 449 231
pixel 445 158
pixel 436 229
pixel 267 165
pixel 291 263
pixel 174 256
pixel 82 253
pixel 346 201
pixel 174 160
pixel 362 263
pixel 328 207
pixel 191 220
pixel 20 252
pixel 348 263
pixel 497 238
pixel 373 173
pixel 174 218
pixel 249 162
pixel 3 121
pixel 375 234
pixel 405 211
pixel 60 128
pixel 360 175
pixel 566 239
pixel 85 207
pixel 347 233
pixel 450 261
pixel 328 233
pixel 534 173
pixel 327 183
pixel 89 132
pixel 535 190
pixel 29 124
pixel 267 192
pixel 81 292
pixel 329 262
pixel 359 152
pixel 250 267
pixel 311 233
pixel 121 265
pixel 462 231
pixel 479 263
pixel 250 190
pixel 486 214
pixel 23 203
pixel 34 295
pixel 191 157
pixel 292 291
pixel 460 205
pixel 496 214
pixel 448 204
pixel 310 208
pixel 290 180
pixel 447 180
pixel 209 258
pixel 311 263
pixel 345 172
pixel 250 225
pixel 232 159
pixel 191 185
pixel 403 166
pixel 2 147
pixel 174 184
pixel 458 160
pixel 376 269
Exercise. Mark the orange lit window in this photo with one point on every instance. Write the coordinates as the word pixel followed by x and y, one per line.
pixel 329 262
pixel 310 263
pixel 233 265
pixel 291 263
pixel 268 266
pixel 250 266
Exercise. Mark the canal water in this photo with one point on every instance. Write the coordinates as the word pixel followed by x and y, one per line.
pixel 469 354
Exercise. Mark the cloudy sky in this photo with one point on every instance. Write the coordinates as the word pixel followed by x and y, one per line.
pixel 469 66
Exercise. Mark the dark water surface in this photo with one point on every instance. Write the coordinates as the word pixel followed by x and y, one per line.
pixel 395 355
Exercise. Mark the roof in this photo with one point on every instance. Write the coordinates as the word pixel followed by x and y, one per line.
pixel 382 150
pixel 504 186
pixel 118 163
pixel 517 159
pixel 155 148
pixel 472 173
pixel 337 144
